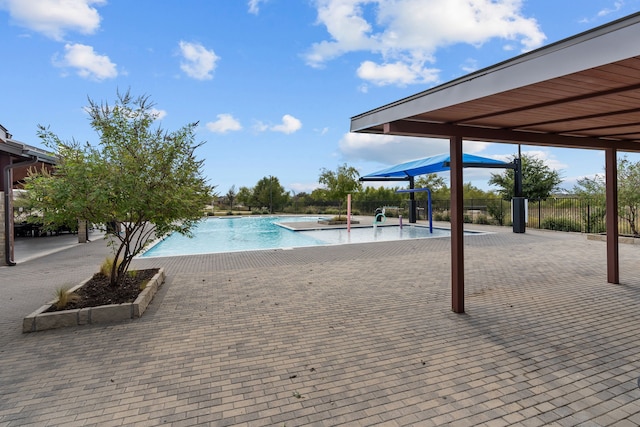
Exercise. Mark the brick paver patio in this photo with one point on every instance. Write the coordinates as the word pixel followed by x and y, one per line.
pixel 342 335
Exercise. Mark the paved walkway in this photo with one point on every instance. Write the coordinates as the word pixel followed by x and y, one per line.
pixel 342 335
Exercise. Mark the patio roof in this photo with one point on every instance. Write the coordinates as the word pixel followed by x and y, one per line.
pixel 581 92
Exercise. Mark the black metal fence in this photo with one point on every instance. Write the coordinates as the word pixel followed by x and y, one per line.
pixel 561 214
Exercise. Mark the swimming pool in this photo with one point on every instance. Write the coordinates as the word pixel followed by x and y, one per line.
pixel 216 235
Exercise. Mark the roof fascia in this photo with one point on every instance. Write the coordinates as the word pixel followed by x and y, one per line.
pixel 19 149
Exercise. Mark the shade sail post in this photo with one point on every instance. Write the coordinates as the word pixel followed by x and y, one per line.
pixel 611 177
pixel 457 224
pixel 412 202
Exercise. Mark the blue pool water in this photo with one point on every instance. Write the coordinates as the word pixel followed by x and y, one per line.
pixel 215 235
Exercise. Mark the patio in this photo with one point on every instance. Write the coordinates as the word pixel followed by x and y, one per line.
pixel 342 335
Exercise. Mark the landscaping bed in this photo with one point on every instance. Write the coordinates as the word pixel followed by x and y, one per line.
pixel 97 302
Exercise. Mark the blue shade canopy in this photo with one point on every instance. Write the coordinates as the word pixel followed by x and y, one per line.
pixel 430 165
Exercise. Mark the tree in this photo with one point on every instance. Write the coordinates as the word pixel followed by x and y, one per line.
pixel 146 178
pixel 628 194
pixel 340 182
pixel 231 195
pixel 538 179
pixel 245 196
pixel 433 182
pixel 269 193
pixel 379 194
pixel 591 191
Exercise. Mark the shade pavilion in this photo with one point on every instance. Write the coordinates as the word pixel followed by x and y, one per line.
pixel 407 171
pixel 581 92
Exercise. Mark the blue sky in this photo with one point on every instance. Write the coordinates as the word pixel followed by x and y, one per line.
pixel 274 83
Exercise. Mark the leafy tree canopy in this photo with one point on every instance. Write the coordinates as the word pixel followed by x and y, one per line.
pixel 245 197
pixel 144 177
pixel 340 182
pixel 538 179
pixel 379 194
pixel 231 196
pixel 269 193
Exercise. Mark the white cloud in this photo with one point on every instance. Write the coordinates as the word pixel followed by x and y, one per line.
pixel 407 33
pixel 399 73
pixel 198 62
pixel 391 150
pixel 224 124
pixel 289 125
pixel 54 18
pixel 617 5
pixel 260 126
pixel 548 158
pixel 87 62
pixel 159 114
pixel 254 6
pixel 470 65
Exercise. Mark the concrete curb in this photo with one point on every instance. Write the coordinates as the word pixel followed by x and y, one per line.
pixel 40 321
pixel 621 239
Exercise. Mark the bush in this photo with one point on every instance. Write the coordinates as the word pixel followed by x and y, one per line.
pixel 330 211
pixel 594 221
pixel 442 216
pixel 481 219
pixel 561 224
pixel 497 211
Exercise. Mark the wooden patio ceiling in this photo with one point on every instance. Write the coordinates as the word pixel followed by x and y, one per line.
pixel 581 92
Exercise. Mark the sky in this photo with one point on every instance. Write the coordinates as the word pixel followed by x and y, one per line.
pixel 274 83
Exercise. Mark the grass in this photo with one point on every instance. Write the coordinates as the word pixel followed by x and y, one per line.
pixel 64 297
pixel 107 265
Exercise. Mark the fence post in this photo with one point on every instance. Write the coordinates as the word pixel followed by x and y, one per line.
pixel 539 214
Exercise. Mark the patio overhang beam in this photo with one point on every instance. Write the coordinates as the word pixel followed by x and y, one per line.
pixel 474 133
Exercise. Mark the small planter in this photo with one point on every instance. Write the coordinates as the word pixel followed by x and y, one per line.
pixel 41 320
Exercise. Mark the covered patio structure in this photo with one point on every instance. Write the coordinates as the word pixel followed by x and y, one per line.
pixel 581 92
pixel 16 158
pixel 439 163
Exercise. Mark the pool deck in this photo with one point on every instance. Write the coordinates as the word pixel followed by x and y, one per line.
pixel 353 335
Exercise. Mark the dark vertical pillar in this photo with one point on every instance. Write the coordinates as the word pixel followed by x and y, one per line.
pixel 457 226
pixel 5 160
pixel 518 202
pixel 7 188
pixel 413 211
pixel 611 167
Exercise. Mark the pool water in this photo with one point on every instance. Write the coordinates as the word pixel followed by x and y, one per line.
pixel 216 235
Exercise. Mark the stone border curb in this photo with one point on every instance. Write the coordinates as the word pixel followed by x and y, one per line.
pixel 40 321
pixel 621 239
